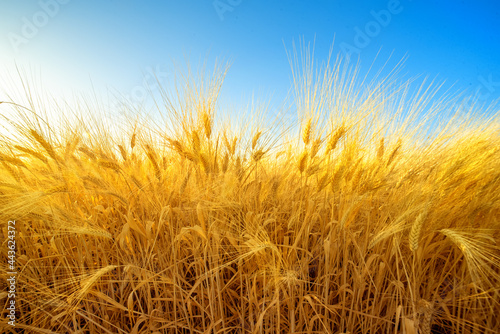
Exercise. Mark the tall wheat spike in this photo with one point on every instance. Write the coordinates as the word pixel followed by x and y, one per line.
pixel 35 154
pixel 415 231
pixel 48 148
pixel 255 139
pixel 334 138
pixel 306 134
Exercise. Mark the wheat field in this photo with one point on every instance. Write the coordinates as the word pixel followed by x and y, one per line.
pixel 366 216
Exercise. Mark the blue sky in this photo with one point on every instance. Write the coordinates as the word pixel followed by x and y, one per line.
pixel 73 45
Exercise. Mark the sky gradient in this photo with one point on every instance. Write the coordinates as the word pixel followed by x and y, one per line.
pixel 112 45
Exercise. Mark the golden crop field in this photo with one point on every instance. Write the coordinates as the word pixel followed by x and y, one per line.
pixel 367 216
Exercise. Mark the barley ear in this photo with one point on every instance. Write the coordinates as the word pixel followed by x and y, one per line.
pixel 225 163
pixel 380 151
pixel 123 152
pixel 334 138
pixel 255 139
pixel 12 160
pixel 132 141
pixel 32 153
pixel 257 155
pixel 302 162
pixel 415 231
pixel 233 145
pixel 394 153
pixel 50 150
pixel 315 147
pixel 109 164
pixel 306 134
pixel 154 162
pixel 195 141
pixel 207 124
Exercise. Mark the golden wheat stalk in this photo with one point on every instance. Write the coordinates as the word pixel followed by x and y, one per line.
pixel 12 160
pixel 316 144
pixel 225 163
pixel 35 154
pixel 12 172
pixel 306 134
pixel 394 153
pixel 95 180
pixel 176 145
pixel 415 231
pixel 204 162
pixel 109 164
pixel 257 155
pixel 151 156
pixel 334 138
pixel 136 182
pixel 184 182
pixel 58 189
pixel 302 161
pixel 123 152
pixel 45 144
pixel 255 139
pixel 195 141
pixel 380 150
pixel 233 145
pixel 87 152
pixel 207 123
pixel 132 141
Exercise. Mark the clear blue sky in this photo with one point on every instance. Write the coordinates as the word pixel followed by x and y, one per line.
pixel 114 43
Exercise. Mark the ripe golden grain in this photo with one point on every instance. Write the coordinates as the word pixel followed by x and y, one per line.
pixel 184 183
pixel 95 180
pixel 176 145
pixel 12 160
pixel 334 138
pixel 255 139
pixel 58 189
pixel 195 141
pixel 87 152
pixel 190 156
pixel 394 152
pixel 415 231
pixel 225 163
pixel 233 146
pixel 302 161
pixel 257 155
pixel 132 141
pixel 12 172
pixel 315 147
pixel 425 310
pixel 323 182
pixel 136 182
pixel 380 151
pixel 151 156
pixel 123 152
pixel 207 124
pixel 338 176
pixel 259 242
pixel 204 162
pixel 306 134
pixel 35 154
pixel 313 169
pixel 226 141
pixel 46 145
